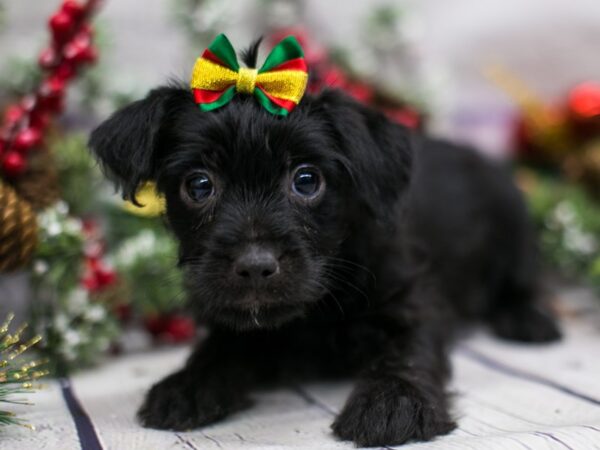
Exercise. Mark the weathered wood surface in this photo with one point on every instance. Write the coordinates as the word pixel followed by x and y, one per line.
pixel 507 396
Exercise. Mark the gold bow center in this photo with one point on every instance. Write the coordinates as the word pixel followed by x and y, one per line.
pixel 246 80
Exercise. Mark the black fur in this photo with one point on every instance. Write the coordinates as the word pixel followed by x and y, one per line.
pixel 410 237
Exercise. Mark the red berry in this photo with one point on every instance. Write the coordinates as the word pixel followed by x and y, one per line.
pixel 27 139
pixel 90 55
pixel 90 283
pixel 51 94
pixel 47 58
pixel 86 29
pixel 105 277
pixel 155 324
pixel 61 25
pixel 13 164
pixel 82 39
pixel 179 329
pixel 73 9
pixel 361 92
pixel 74 52
pixel 39 119
pixel 13 114
pixel 123 311
pixel 65 71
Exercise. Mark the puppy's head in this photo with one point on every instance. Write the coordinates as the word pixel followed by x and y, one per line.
pixel 261 204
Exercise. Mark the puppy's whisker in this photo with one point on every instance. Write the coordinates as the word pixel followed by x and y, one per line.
pixel 329 292
pixel 349 284
pixel 354 264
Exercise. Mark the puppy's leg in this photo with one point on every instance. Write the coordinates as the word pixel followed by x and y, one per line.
pixel 517 314
pixel 519 318
pixel 213 384
pixel 401 395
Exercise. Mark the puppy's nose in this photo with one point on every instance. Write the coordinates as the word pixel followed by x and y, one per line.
pixel 257 264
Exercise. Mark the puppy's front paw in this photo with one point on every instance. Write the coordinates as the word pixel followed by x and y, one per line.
pixel 391 412
pixel 180 403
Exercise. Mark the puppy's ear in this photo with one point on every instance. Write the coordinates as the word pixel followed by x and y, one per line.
pixel 379 151
pixel 126 144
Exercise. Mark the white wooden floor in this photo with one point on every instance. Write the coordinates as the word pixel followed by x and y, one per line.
pixel 507 396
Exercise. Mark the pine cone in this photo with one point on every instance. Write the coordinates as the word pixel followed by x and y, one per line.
pixel 39 184
pixel 18 229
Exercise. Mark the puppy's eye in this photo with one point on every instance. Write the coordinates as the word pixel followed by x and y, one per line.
pixel 307 181
pixel 199 186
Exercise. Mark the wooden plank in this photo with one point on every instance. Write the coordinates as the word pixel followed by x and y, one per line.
pixel 507 396
pixel 54 427
pixel 111 394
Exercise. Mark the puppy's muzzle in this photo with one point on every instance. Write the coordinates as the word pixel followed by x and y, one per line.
pixel 256 265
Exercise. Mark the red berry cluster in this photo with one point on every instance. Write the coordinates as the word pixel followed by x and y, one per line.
pixel 25 123
pixel 97 274
pixel 170 328
pixel 325 73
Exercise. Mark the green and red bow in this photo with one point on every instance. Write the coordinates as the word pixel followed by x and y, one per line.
pixel 278 85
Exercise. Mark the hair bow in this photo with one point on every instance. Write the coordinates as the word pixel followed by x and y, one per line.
pixel 278 85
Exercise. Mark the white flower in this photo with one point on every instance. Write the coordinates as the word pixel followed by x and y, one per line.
pixel 72 338
pixel 95 313
pixel 61 322
pixel 62 207
pixel 53 228
pixel 40 267
pixel 564 213
pixel 77 301
pixel 73 226
pixel 142 245
pixel 68 353
pixel 576 240
pixel 102 344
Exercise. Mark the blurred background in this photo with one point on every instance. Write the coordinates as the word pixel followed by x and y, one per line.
pixel 95 277
pixel 436 50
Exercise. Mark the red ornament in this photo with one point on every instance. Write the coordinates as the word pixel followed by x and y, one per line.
pixel 584 101
pixel 61 25
pixel 27 139
pixel 13 164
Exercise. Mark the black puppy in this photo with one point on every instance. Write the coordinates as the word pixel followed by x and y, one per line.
pixel 327 243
